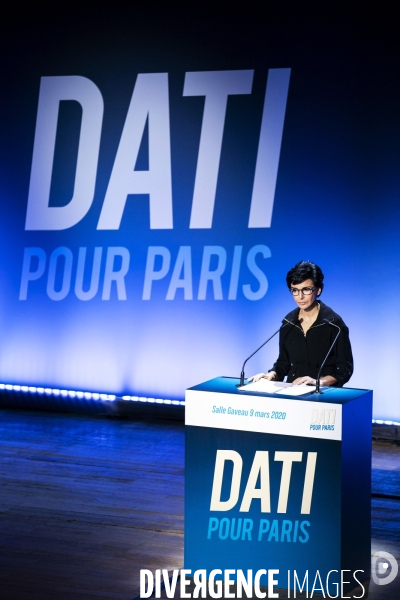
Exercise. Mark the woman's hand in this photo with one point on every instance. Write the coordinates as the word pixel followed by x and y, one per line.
pixel 305 381
pixel 324 381
pixel 270 376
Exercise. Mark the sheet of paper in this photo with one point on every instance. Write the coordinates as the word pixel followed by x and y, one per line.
pixel 266 386
pixel 278 387
pixel 297 390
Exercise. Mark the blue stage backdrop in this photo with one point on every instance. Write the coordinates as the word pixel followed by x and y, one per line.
pixel 155 191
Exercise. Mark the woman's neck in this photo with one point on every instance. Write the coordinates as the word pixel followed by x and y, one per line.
pixel 309 313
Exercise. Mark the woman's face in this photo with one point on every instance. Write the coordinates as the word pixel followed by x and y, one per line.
pixel 305 301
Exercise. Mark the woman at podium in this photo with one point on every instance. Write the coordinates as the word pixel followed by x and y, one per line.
pixel 310 331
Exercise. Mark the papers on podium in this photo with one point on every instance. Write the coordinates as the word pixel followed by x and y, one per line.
pixel 277 387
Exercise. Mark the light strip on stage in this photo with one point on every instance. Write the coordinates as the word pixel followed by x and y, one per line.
pixel 57 392
pixel 86 395
pixel 381 422
pixel 153 400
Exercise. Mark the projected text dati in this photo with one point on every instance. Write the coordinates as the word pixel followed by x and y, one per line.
pixel 217 272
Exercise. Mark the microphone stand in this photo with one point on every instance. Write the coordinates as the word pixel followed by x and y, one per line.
pixel 259 348
pixel 317 386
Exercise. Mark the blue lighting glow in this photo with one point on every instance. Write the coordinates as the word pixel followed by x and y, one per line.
pixel 147 277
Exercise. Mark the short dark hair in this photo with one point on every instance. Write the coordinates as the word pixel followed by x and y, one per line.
pixel 305 270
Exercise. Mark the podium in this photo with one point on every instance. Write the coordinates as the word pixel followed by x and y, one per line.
pixel 279 482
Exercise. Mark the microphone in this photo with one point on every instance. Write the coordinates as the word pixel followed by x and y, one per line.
pixel 317 388
pixel 259 348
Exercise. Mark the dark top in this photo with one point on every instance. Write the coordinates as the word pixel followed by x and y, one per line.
pixel 302 354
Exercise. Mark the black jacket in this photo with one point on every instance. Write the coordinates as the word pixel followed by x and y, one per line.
pixel 301 355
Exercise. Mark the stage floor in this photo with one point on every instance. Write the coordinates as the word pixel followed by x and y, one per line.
pixel 85 503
